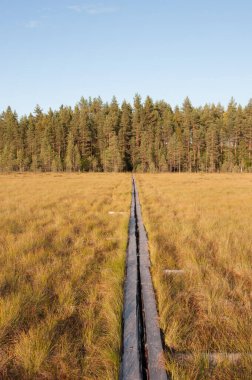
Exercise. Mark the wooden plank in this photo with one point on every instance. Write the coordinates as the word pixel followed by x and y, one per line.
pixel 213 358
pixel 154 349
pixel 174 271
pixel 131 366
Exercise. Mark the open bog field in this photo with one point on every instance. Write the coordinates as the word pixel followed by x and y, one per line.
pixel 63 240
pixel 202 225
pixel 62 268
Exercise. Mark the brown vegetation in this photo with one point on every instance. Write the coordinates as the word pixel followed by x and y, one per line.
pixel 62 267
pixel 201 223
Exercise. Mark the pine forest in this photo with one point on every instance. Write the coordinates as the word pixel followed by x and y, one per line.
pixel 147 136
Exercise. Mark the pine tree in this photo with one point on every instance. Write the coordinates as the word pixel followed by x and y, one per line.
pixel 85 133
pixel 112 158
pixel 124 136
pixel 97 119
pixel 137 126
pixel 229 142
pixel 150 119
pixel 177 143
pixel 77 159
pixel 164 134
pixel 187 133
pixel 110 131
pixel 70 153
pixel 10 135
pixel 248 133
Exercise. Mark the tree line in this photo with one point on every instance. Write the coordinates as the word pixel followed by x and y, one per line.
pixel 147 136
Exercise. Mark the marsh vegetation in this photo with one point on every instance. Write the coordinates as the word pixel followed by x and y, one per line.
pixel 201 224
pixel 63 240
pixel 62 267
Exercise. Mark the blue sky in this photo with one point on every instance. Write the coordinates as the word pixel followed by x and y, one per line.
pixel 54 52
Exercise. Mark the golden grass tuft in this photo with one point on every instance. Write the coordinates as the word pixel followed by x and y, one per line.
pixel 62 268
pixel 202 223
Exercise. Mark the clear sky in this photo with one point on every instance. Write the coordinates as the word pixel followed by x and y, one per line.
pixel 52 52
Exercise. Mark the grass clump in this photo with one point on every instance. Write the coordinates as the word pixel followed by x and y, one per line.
pixel 201 223
pixel 62 261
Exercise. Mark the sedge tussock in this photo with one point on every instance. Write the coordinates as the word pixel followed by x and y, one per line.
pixel 202 224
pixel 61 280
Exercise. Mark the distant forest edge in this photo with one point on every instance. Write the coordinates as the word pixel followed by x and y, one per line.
pixel 148 136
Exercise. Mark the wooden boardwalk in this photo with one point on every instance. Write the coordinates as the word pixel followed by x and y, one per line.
pixel 142 356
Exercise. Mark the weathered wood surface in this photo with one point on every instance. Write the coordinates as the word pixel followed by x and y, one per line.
pixel 212 357
pixel 130 369
pixel 153 342
pixel 174 271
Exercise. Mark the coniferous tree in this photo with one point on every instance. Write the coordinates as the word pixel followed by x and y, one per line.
pixel 150 119
pixel 97 136
pixel 124 136
pixel 247 128
pixel 187 134
pixel 137 125
pixel 229 136
pixel 70 152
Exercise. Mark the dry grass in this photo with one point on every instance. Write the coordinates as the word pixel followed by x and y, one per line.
pixel 62 267
pixel 202 224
